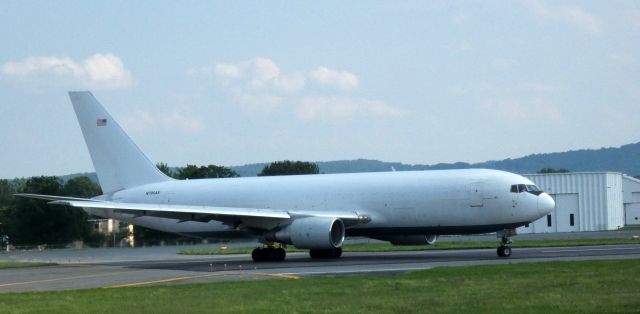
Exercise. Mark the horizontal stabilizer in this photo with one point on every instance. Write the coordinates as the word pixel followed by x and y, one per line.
pixel 54 198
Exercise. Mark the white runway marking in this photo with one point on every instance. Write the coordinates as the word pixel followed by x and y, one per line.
pixel 585 250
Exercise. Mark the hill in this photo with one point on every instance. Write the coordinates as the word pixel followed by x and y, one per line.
pixel 625 159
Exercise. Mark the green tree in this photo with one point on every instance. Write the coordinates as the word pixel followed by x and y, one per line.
pixel 145 236
pixel 288 167
pixel 34 222
pixel 7 189
pixel 165 169
pixel 210 171
pixel 81 187
pixel 7 200
pixel 553 170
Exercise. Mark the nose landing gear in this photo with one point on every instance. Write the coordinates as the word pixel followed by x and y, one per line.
pixel 504 251
pixel 505 239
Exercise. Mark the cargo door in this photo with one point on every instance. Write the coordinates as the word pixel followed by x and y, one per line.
pixel 475 194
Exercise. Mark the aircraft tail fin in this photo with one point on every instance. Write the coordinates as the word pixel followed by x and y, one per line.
pixel 118 162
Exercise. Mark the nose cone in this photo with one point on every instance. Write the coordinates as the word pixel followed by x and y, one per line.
pixel 545 204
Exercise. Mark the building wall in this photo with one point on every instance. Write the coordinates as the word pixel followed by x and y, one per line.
pixel 594 198
pixel 632 214
pixel 615 204
pixel 631 199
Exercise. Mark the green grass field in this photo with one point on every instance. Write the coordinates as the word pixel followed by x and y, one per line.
pixel 570 287
pixel 386 247
pixel 14 264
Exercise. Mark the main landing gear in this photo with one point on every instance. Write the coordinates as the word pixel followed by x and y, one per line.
pixel 277 253
pixel 505 238
pixel 269 253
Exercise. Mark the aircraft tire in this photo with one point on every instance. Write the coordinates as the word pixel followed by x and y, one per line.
pixel 504 251
pixel 257 255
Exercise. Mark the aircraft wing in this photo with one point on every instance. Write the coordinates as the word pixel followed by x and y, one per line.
pixel 233 215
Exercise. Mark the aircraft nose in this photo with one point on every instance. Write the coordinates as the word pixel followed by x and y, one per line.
pixel 545 203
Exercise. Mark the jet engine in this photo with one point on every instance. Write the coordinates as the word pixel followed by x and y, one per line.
pixel 310 233
pixel 428 239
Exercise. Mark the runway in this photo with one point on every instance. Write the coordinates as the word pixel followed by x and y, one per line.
pixel 178 269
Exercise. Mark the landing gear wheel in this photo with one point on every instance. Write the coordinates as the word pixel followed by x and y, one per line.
pixel 504 251
pixel 505 240
pixel 268 254
pixel 280 254
pixel 257 255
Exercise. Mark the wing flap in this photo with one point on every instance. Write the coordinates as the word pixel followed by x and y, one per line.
pixel 178 209
pixel 195 213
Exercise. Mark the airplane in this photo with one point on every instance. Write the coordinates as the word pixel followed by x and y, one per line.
pixel 314 212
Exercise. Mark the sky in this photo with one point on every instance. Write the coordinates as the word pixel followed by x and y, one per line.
pixel 237 82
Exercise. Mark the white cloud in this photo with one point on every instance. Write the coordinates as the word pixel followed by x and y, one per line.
pixel 340 107
pixel 341 79
pixel 568 14
pixel 98 71
pixel 260 86
pixel 264 69
pixel 258 74
pixel 289 83
pixel 142 121
pixel 228 71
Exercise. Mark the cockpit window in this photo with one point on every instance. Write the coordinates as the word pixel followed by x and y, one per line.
pixel 522 188
pixel 519 188
pixel 532 188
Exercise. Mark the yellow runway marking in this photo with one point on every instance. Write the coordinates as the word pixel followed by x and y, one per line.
pixel 142 283
pixel 279 275
pixel 65 278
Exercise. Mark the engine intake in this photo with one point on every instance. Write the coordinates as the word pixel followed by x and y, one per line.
pixel 311 233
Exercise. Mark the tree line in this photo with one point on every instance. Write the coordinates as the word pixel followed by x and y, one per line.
pixel 34 222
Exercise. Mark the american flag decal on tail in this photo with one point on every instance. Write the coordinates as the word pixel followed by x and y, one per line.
pixel 101 122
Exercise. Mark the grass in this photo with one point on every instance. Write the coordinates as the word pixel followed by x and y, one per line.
pixel 386 247
pixel 14 264
pixel 554 287
pixel 629 228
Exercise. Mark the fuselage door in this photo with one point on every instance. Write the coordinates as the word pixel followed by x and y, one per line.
pixel 475 193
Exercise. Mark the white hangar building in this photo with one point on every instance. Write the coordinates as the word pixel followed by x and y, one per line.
pixel 587 201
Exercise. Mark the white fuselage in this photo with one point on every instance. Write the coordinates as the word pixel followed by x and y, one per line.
pixel 396 203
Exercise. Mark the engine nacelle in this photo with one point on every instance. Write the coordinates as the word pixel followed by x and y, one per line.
pixel 428 239
pixel 311 233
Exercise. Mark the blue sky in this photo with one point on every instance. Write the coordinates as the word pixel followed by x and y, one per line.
pixel 238 82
